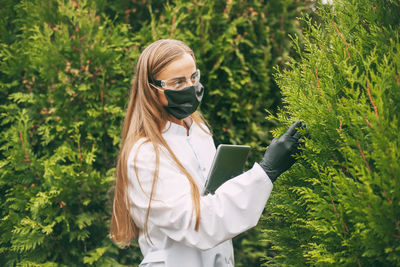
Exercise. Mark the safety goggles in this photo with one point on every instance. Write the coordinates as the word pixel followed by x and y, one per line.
pixel 178 83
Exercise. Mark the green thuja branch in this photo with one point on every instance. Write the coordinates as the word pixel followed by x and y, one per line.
pixel 339 205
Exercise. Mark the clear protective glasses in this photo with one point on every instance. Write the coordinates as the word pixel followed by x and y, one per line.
pixel 178 83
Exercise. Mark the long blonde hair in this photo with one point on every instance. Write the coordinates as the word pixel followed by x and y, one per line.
pixel 146 117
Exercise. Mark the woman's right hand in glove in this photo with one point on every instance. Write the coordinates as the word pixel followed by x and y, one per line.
pixel 279 155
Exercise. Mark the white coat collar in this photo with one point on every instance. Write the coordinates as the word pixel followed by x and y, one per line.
pixel 172 128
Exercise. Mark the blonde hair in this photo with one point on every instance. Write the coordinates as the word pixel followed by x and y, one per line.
pixel 146 118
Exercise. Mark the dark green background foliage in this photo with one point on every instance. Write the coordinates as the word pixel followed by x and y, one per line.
pixel 340 205
pixel 65 73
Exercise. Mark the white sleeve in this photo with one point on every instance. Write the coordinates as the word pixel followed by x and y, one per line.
pixel 234 208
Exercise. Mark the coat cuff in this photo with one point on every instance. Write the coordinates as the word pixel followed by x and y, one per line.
pixel 260 171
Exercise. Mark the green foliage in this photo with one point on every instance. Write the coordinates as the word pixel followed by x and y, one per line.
pixel 65 72
pixel 340 206
pixel 65 80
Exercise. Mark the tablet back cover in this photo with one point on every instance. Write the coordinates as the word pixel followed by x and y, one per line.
pixel 228 162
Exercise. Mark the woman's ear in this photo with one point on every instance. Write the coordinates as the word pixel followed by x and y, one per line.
pixel 162 98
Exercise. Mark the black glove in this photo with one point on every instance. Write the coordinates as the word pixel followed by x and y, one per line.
pixel 279 155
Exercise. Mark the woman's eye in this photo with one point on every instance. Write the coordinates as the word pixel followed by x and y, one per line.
pixel 195 77
pixel 178 83
pixel 173 83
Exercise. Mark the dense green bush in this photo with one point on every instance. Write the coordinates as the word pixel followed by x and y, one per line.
pixel 340 206
pixel 65 69
pixel 65 78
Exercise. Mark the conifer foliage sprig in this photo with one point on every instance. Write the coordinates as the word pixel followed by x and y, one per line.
pixel 340 205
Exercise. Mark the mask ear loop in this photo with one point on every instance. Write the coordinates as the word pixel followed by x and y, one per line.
pixel 158 97
pixel 150 81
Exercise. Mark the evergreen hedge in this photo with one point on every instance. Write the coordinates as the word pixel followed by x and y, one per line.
pixel 65 71
pixel 340 205
pixel 65 78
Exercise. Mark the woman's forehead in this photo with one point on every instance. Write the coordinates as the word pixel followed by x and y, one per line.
pixel 181 67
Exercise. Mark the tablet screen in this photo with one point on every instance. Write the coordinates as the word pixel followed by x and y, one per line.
pixel 228 162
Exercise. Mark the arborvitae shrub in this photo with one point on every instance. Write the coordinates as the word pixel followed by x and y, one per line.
pixel 340 205
pixel 65 73
pixel 65 78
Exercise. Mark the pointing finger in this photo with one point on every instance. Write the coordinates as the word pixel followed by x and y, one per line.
pixel 292 130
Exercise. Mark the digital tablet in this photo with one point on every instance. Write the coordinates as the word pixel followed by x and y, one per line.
pixel 228 162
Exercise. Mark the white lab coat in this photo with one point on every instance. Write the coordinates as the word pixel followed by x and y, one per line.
pixel 234 208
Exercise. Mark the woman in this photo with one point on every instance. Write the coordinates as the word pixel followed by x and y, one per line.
pixel 165 155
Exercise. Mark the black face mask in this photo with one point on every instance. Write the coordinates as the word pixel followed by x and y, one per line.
pixel 182 103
